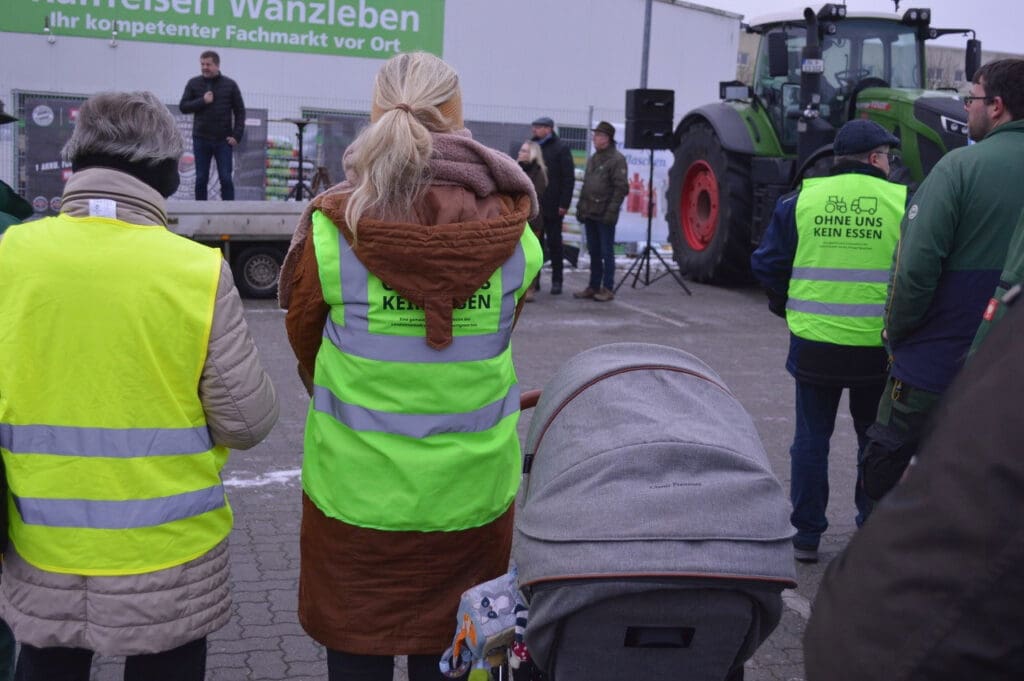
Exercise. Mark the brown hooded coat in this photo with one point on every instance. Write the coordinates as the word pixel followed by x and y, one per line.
pixel 377 592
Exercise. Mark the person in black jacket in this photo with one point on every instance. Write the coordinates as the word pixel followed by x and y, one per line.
pixel 218 126
pixel 554 203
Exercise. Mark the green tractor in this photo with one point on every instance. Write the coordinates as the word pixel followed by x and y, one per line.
pixel 813 73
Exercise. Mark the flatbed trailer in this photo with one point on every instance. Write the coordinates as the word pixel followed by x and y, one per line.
pixel 253 235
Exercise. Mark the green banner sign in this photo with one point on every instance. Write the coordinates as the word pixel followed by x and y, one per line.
pixel 354 28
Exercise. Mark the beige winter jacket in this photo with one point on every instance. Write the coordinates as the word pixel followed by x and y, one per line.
pixel 156 611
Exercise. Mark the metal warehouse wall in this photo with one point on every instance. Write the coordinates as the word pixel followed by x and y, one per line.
pixel 571 59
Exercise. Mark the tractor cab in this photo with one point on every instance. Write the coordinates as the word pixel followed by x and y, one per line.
pixel 809 88
pixel 859 52
pixel 815 70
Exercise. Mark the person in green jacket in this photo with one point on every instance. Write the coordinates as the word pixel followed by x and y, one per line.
pixel 1009 288
pixel 605 185
pixel 953 244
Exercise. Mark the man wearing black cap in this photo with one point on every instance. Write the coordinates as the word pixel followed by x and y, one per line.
pixel 605 184
pixel 554 203
pixel 824 261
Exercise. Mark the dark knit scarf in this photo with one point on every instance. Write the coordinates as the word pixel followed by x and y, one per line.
pixel 161 176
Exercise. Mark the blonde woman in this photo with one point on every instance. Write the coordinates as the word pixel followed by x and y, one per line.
pixel 402 287
pixel 531 160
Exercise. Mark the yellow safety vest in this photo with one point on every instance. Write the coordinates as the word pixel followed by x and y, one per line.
pixel 847 229
pixel 104 327
pixel 401 436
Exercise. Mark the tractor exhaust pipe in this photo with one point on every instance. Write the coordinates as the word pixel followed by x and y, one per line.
pixel 813 131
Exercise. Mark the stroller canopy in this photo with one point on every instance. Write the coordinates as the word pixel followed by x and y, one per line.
pixel 641 463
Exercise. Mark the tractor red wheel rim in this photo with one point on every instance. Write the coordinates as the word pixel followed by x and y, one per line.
pixel 698 205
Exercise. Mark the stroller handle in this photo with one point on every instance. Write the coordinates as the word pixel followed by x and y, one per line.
pixel 528 399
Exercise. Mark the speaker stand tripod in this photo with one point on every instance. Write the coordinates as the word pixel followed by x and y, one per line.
pixel 643 261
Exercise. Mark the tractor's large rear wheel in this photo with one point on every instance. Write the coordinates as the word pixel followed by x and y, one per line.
pixel 709 198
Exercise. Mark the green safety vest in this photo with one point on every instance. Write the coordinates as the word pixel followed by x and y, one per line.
pixel 400 436
pixel 847 229
pixel 104 328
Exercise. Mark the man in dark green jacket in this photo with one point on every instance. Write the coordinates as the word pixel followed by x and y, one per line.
pixel 953 243
pixel 605 185
pixel 1009 288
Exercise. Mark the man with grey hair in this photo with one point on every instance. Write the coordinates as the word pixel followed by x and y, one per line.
pixel 127 372
pixel 824 261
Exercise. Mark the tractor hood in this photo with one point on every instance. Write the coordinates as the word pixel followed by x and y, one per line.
pixel 941 111
pixel 949 109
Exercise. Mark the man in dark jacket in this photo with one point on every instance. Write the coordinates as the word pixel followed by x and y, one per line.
pixel 554 203
pixel 218 126
pixel 932 588
pixel 824 261
pixel 604 186
pixel 953 244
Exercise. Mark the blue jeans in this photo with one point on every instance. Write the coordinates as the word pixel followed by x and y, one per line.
pixel 816 407
pixel 205 150
pixel 601 246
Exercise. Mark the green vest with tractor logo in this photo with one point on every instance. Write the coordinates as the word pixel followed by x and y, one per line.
pixel 400 436
pixel 847 229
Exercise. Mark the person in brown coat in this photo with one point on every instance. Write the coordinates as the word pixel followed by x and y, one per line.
pixel 402 286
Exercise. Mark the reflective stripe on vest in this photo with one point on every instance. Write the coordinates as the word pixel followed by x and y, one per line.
pixel 110 464
pixel 416 425
pixel 835 309
pixel 847 229
pixel 354 337
pixel 109 442
pixel 401 436
pixel 118 515
pixel 833 274
pixel 120 443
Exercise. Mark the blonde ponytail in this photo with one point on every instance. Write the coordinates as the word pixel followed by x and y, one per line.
pixel 390 164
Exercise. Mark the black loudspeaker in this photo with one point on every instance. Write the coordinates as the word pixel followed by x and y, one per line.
pixel 649 119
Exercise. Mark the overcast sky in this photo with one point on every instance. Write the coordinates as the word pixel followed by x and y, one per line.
pixel 996 22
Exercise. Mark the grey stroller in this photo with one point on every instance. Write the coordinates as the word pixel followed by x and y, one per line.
pixel 652 538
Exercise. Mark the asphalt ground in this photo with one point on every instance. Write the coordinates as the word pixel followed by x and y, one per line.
pixel 730 329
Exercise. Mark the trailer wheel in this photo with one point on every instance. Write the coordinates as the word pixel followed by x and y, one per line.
pixel 256 269
pixel 709 196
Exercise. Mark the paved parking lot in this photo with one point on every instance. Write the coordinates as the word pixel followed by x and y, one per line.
pixel 730 329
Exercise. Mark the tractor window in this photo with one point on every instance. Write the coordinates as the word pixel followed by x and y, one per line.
pixel 781 94
pixel 906 66
pixel 873 58
pixel 861 52
pixel 878 49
